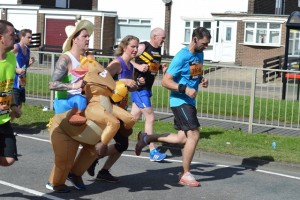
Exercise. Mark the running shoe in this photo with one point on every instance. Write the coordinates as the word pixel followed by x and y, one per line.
pixel 104 175
pixel 59 188
pixel 76 181
pixel 140 143
pixel 156 156
pixel 188 179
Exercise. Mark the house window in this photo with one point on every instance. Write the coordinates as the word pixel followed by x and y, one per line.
pixel 262 33
pixel 140 28
pixel 294 44
pixel 191 25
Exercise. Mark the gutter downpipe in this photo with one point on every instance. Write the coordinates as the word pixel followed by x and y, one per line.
pixel 101 34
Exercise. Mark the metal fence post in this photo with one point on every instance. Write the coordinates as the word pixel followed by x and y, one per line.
pixel 252 101
pixel 52 69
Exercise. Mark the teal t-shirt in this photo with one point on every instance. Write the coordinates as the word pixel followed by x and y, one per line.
pixel 186 68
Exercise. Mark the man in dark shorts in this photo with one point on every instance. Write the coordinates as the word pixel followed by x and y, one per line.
pixel 22 52
pixel 183 77
pixel 8 109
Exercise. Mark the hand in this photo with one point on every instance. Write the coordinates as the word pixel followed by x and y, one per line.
pixel 20 71
pixel 31 61
pixel 131 84
pixel 191 92
pixel 164 67
pixel 143 68
pixel 101 149
pixel 204 82
pixel 2 107
pixel 15 112
pixel 141 81
pixel 78 84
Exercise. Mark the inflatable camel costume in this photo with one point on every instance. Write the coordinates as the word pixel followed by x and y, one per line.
pixel 103 122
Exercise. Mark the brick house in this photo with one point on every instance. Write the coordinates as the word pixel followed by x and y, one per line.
pixel 243 33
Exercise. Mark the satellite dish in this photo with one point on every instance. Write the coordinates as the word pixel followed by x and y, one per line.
pixel 166 1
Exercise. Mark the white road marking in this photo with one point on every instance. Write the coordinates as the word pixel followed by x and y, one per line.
pixel 37 193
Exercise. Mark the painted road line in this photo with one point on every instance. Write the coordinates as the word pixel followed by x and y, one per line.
pixel 34 192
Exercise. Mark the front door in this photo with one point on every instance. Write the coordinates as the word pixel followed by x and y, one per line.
pixel 226 42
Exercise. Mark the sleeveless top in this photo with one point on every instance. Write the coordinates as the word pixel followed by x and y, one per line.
pixel 152 57
pixel 22 62
pixel 7 75
pixel 125 73
pixel 69 79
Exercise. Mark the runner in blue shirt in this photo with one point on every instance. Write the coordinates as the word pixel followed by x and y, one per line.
pixel 182 78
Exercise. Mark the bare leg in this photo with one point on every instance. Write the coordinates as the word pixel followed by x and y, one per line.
pixel 113 156
pixel 149 122
pixel 189 149
pixel 190 142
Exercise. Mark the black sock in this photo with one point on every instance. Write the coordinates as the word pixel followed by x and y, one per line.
pixel 104 170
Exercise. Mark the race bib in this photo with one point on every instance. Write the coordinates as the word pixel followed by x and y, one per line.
pixel 5 101
pixel 153 68
pixel 196 70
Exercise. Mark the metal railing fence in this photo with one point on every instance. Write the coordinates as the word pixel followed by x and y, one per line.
pixel 236 94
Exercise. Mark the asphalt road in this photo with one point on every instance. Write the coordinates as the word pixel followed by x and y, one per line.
pixel 222 177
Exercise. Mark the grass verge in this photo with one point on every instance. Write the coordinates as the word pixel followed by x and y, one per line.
pixel 213 139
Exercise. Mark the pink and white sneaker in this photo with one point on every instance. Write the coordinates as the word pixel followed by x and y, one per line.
pixel 188 179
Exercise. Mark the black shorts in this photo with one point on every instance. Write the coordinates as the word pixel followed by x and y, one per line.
pixel 185 117
pixel 19 96
pixel 8 143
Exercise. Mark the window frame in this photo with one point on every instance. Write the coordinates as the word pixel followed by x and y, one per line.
pixel 192 26
pixel 294 42
pixel 255 29
pixel 133 22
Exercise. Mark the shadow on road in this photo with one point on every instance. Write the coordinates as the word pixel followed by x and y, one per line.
pixel 165 179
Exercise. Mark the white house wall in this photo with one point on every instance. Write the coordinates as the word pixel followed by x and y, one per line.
pixel 141 9
pixel 181 10
pixel 199 10
pixel 22 19
pixel 11 2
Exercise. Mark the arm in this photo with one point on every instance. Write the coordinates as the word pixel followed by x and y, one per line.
pixel 167 82
pixel 130 83
pixel 61 69
pixel 140 67
pixel 164 67
pixel 170 84
pixel 114 68
pixel 15 111
pixel 19 69
pixel 15 49
pixel 31 61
